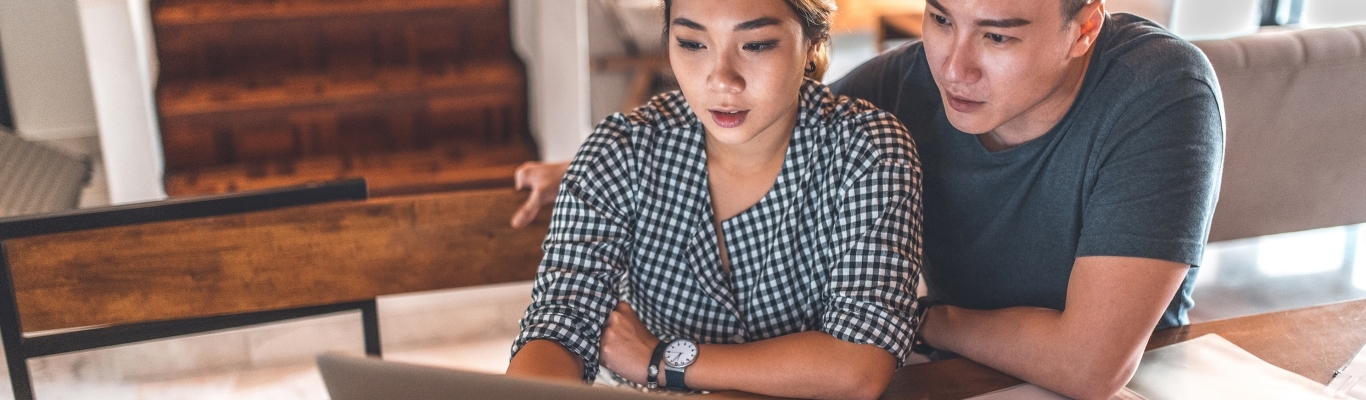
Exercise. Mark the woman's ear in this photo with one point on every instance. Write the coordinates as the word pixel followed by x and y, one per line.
pixel 1089 21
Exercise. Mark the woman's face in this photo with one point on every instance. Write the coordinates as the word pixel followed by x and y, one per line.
pixel 740 65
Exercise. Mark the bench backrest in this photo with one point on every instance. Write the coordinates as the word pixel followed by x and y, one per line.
pixel 1296 125
pixel 268 260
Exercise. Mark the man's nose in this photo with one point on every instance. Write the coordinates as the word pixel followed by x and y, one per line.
pixel 961 65
pixel 724 77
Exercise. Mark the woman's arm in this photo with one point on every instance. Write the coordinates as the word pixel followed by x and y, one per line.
pixel 807 364
pixel 546 359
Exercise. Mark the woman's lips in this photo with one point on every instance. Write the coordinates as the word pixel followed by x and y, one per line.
pixel 964 106
pixel 728 119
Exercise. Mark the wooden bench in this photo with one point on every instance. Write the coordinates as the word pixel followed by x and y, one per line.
pixel 105 277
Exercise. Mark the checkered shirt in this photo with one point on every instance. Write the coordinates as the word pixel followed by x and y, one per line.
pixel 833 247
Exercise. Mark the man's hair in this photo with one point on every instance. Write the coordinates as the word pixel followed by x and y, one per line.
pixel 1070 8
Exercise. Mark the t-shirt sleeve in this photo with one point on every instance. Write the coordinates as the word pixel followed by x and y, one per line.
pixel 870 293
pixel 586 248
pixel 1158 181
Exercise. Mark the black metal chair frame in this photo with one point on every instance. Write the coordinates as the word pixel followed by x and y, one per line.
pixel 19 349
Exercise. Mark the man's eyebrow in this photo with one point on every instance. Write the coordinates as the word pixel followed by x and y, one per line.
pixel 937 6
pixel 757 23
pixel 1002 23
pixel 995 23
pixel 687 23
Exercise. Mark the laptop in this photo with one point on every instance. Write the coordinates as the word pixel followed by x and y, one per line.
pixel 350 377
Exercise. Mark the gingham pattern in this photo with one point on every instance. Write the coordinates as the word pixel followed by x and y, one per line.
pixel 834 246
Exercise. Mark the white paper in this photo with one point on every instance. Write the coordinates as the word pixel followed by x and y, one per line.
pixel 1351 379
pixel 1025 391
pixel 1211 367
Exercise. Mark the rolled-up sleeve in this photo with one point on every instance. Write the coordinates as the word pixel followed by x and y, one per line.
pixel 586 250
pixel 870 296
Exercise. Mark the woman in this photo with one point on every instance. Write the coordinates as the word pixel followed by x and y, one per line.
pixel 751 232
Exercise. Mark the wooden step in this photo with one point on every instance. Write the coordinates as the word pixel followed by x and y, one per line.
pixel 198 12
pixel 480 81
pixel 443 168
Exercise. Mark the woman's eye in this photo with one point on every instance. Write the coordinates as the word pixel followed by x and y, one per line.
pixel 939 19
pixel 758 47
pixel 997 38
pixel 691 46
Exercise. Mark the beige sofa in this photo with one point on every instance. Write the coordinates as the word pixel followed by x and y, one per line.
pixel 1295 108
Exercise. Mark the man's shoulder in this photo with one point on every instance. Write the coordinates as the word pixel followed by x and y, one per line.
pixel 1149 53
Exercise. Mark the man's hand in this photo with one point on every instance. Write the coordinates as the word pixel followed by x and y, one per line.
pixel 627 344
pixel 544 181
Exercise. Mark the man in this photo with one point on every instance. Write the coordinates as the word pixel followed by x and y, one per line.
pixel 1071 164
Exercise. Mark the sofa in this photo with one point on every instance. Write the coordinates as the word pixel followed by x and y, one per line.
pixel 1295 117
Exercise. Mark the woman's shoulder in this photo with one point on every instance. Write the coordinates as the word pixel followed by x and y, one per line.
pixel 856 126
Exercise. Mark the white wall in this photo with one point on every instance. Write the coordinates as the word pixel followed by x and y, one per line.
pixel 45 68
pixel 1213 19
pixel 552 38
pixel 119 51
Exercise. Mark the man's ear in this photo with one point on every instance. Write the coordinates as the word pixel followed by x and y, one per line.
pixel 1089 21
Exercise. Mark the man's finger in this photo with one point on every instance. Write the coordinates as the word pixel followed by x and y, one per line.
pixel 527 213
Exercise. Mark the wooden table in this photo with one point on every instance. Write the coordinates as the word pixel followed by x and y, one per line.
pixel 1310 341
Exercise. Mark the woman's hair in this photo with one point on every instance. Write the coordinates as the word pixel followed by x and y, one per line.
pixel 815 18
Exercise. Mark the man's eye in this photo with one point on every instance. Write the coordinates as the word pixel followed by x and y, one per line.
pixel 939 19
pixel 758 47
pixel 692 46
pixel 997 38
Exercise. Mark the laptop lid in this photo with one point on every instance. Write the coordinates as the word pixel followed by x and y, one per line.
pixel 357 378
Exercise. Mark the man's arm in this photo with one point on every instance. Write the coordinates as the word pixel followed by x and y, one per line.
pixel 1088 351
pixel 543 179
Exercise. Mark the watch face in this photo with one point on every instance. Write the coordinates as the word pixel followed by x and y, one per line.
pixel 680 353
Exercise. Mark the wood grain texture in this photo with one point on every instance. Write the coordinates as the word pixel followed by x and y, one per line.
pixel 277 259
pixel 1311 342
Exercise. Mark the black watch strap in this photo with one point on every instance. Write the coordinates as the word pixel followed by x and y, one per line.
pixel 675 377
pixel 922 307
pixel 652 371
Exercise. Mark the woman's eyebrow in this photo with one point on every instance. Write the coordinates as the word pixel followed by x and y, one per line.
pixel 687 23
pixel 757 23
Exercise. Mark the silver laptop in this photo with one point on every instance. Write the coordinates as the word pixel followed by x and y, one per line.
pixel 357 378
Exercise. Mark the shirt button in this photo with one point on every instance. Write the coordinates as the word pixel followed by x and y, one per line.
pixel 737 339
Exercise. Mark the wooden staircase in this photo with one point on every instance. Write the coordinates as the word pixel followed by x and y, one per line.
pixel 413 95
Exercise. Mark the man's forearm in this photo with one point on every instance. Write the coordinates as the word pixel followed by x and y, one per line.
pixel 804 365
pixel 1088 351
pixel 1032 344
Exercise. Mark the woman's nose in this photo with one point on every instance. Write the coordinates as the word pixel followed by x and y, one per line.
pixel 724 77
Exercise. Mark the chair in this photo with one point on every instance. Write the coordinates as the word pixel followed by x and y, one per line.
pixel 90 279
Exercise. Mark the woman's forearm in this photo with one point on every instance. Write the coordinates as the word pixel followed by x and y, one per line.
pixel 805 365
pixel 546 359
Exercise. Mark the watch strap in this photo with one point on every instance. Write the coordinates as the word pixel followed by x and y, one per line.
pixel 922 307
pixel 675 379
pixel 652 370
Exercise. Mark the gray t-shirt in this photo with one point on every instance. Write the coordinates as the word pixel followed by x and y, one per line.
pixel 1131 170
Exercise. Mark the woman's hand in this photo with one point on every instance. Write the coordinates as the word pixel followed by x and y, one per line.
pixel 627 344
pixel 544 181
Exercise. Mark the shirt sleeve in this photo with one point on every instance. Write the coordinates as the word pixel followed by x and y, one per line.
pixel 586 248
pixel 870 293
pixel 1157 185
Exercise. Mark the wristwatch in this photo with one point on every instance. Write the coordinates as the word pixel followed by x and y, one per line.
pixel 652 372
pixel 677 357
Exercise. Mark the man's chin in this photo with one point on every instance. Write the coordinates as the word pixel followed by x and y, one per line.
pixel 969 124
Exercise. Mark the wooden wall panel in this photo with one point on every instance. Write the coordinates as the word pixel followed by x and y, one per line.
pixel 272 260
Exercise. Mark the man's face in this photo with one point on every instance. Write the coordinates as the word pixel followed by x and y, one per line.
pixel 1003 66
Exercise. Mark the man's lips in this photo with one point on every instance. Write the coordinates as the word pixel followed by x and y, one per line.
pixel 728 119
pixel 963 105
